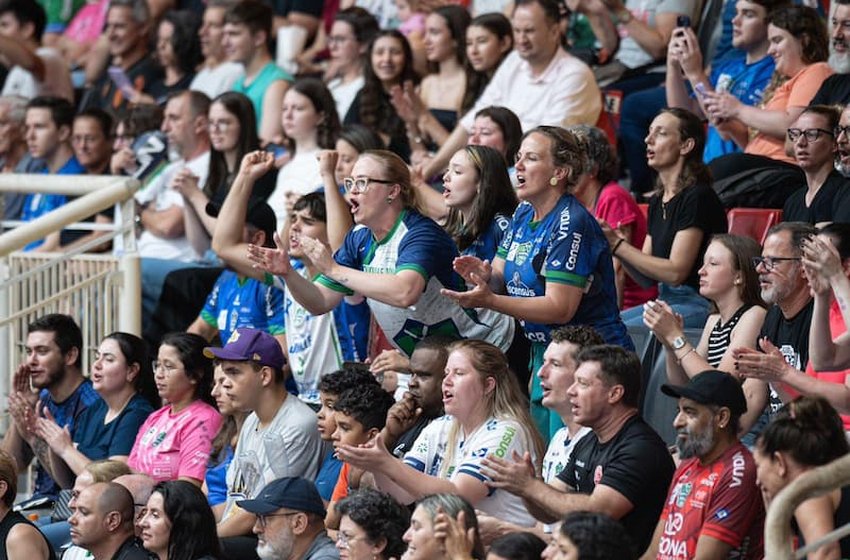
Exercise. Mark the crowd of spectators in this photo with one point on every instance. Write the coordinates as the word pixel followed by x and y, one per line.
pixel 400 261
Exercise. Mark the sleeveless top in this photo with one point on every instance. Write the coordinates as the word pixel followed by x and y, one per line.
pixel 14 518
pixel 721 336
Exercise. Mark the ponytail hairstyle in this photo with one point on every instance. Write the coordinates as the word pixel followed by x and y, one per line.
pixel 808 429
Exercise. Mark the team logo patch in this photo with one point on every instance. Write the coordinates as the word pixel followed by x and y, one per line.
pixel 597 474
pixel 684 492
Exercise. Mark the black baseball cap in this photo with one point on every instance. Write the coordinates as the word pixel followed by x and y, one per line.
pixel 260 215
pixel 290 492
pixel 711 387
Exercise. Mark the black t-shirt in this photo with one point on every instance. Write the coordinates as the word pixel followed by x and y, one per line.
pixel 8 522
pixel 132 550
pixel 834 91
pixel 791 336
pixel 841 205
pixel 388 123
pixel 823 207
pixel 635 463
pixel 407 439
pixel 106 95
pixel 696 206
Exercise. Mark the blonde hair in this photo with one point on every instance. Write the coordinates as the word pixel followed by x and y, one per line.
pixel 504 402
pixel 107 470
pixel 397 172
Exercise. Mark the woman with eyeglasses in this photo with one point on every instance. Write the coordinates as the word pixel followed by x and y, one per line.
pixel 764 173
pixel 728 279
pixel 398 261
pixel 178 524
pixel 820 198
pixel 174 442
pixel 109 426
pixel 371 527
pixel 351 33
pixel 229 142
pixel 684 213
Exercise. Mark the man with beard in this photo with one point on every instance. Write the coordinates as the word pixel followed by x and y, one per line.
pixel 842 138
pixel 714 509
pixel 836 89
pixel 784 336
pixel 52 368
pixel 290 521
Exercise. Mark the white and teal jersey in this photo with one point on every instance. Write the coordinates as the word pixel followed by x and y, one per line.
pixel 567 247
pixel 236 303
pixel 417 243
pixel 497 437
pixel 316 343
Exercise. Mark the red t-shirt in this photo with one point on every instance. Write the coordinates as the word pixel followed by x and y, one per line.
pixel 617 207
pixel 720 500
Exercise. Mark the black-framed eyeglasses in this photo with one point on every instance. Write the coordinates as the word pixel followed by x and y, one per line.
pixel 811 134
pixel 771 262
pixel 845 129
pixel 361 184
pixel 263 518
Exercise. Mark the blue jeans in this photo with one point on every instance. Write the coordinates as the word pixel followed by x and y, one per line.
pixel 684 300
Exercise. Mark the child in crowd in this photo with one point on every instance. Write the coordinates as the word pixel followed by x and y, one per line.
pixel 331 387
pixel 360 414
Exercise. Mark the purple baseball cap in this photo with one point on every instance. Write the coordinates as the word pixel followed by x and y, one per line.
pixel 249 345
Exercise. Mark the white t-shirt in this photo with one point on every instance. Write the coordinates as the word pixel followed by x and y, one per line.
pixel 289 446
pixel 158 193
pixel 344 94
pixel 312 341
pixel 300 175
pixel 559 451
pixel 495 437
pixel 56 83
pixel 215 81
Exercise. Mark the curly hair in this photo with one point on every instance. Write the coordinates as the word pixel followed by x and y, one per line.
pixel 376 111
pixel 600 159
pixel 327 130
pixel 367 404
pixel 597 536
pixel 339 381
pixel 381 518
pixel 495 196
pixel 580 335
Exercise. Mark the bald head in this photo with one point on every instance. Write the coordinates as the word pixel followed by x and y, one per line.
pixel 115 498
pixel 102 516
pixel 139 485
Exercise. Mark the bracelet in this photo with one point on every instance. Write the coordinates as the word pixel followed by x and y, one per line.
pixel 685 355
pixel 616 246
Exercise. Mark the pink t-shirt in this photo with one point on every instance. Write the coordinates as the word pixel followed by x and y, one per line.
pixel 169 446
pixel 88 22
pixel 617 207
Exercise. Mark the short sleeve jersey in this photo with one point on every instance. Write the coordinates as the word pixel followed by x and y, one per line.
pixel 496 437
pixel 560 449
pixel 720 500
pixel 747 83
pixel 565 247
pixel 170 446
pixel 635 463
pixel 316 344
pixel 417 243
pixel 824 205
pixel 486 245
pixel 289 446
pixel 66 413
pixel 237 303
pixel 97 439
pixel 696 206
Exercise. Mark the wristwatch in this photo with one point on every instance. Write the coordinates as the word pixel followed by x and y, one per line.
pixel 623 16
pixel 679 342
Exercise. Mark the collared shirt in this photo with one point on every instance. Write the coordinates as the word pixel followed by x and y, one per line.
pixel 564 94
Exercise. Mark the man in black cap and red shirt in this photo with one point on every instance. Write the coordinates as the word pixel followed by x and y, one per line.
pixel 714 509
pixel 290 521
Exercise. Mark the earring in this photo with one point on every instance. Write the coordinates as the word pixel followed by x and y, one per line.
pixel 389 200
pixel 737 281
pixel 553 181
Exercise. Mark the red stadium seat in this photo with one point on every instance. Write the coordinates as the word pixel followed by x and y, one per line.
pixel 645 209
pixel 753 222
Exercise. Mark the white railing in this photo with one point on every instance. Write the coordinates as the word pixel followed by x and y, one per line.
pixel 777 526
pixel 101 291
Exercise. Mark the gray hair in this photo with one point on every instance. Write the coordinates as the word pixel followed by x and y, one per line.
pixel 139 8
